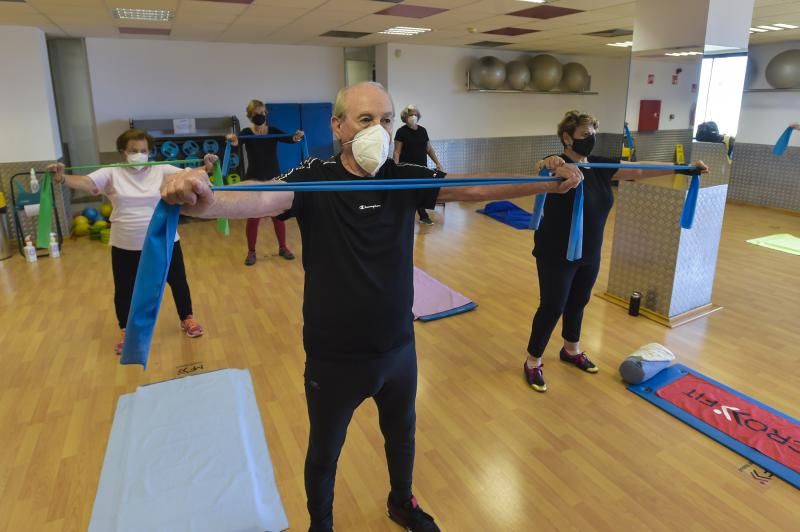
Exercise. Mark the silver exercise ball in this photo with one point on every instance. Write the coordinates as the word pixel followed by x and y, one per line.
pixel 545 72
pixel 488 73
pixel 517 75
pixel 575 77
pixel 783 71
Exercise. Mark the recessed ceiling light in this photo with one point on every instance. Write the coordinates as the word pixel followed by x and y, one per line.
pixel 534 1
pixel 404 30
pixel 682 54
pixel 757 30
pixel 152 15
pixel 787 26
pixel 625 44
pixel 772 28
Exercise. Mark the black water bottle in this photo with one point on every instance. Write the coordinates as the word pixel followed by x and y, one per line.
pixel 633 306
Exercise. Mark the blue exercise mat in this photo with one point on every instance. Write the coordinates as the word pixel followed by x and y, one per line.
pixel 507 213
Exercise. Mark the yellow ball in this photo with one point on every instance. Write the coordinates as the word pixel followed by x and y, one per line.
pixel 81 229
pixel 100 224
pixel 105 210
pixel 81 220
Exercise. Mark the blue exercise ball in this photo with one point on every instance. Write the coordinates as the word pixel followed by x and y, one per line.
pixel 91 214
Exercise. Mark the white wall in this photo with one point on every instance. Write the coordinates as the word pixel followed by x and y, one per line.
pixel 29 129
pixel 765 115
pixel 433 78
pixel 163 79
pixel 675 99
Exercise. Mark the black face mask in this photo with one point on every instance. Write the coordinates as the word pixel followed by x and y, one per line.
pixel 583 146
pixel 259 119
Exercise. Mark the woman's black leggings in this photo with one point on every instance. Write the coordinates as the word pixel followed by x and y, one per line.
pixel 565 288
pixel 125 262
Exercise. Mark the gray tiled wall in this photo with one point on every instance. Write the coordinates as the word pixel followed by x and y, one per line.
pixel 509 154
pixel 660 145
pixel 760 178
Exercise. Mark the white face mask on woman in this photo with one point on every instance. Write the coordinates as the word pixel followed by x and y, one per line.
pixel 412 120
pixel 371 148
pixel 137 158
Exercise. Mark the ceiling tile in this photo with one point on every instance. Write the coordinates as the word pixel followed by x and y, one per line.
pixel 511 32
pixel 411 11
pixel 544 12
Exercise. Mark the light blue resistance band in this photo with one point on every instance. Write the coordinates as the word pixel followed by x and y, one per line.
pixel 783 142
pixel 574 251
pixel 149 287
pixel 158 245
pixel 629 138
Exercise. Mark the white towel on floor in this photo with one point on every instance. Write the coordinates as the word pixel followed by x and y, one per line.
pixel 189 455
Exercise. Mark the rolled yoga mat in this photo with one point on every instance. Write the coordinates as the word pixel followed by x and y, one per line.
pixel 188 455
pixel 507 213
pixel 434 300
pixel 645 363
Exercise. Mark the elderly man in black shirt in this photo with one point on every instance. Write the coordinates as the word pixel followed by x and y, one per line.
pixel 357 253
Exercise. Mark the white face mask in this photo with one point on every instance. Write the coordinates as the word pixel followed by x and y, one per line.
pixel 412 120
pixel 137 158
pixel 371 148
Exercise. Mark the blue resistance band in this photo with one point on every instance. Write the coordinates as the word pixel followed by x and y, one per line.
pixel 151 276
pixel 783 142
pixel 629 138
pixel 538 204
pixel 303 143
pixel 154 264
pixel 159 242
pixel 226 159
pixel 689 206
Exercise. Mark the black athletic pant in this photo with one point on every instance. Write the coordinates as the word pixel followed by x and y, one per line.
pixel 334 390
pixel 565 288
pixel 125 262
pixel 423 213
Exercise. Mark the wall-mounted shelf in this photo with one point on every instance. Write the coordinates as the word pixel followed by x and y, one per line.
pixel 470 88
pixel 771 90
pixel 510 91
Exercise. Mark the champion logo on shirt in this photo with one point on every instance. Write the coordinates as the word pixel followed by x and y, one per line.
pixel 365 207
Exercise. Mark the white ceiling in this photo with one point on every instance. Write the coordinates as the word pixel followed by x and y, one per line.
pixel 302 21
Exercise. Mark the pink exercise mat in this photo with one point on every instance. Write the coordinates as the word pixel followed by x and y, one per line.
pixel 434 300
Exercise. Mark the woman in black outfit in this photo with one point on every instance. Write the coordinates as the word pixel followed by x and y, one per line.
pixel 262 165
pixel 565 287
pixel 412 145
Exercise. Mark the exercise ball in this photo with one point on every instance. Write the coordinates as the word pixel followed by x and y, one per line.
pixel 488 73
pixel 91 214
pixel 517 75
pixel 575 77
pixel 81 220
pixel 783 71
pixel 105 210
pixel 100 224
pixel 81 229
pixel 545 72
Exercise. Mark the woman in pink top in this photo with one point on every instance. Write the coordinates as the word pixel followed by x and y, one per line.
pixel 134 194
